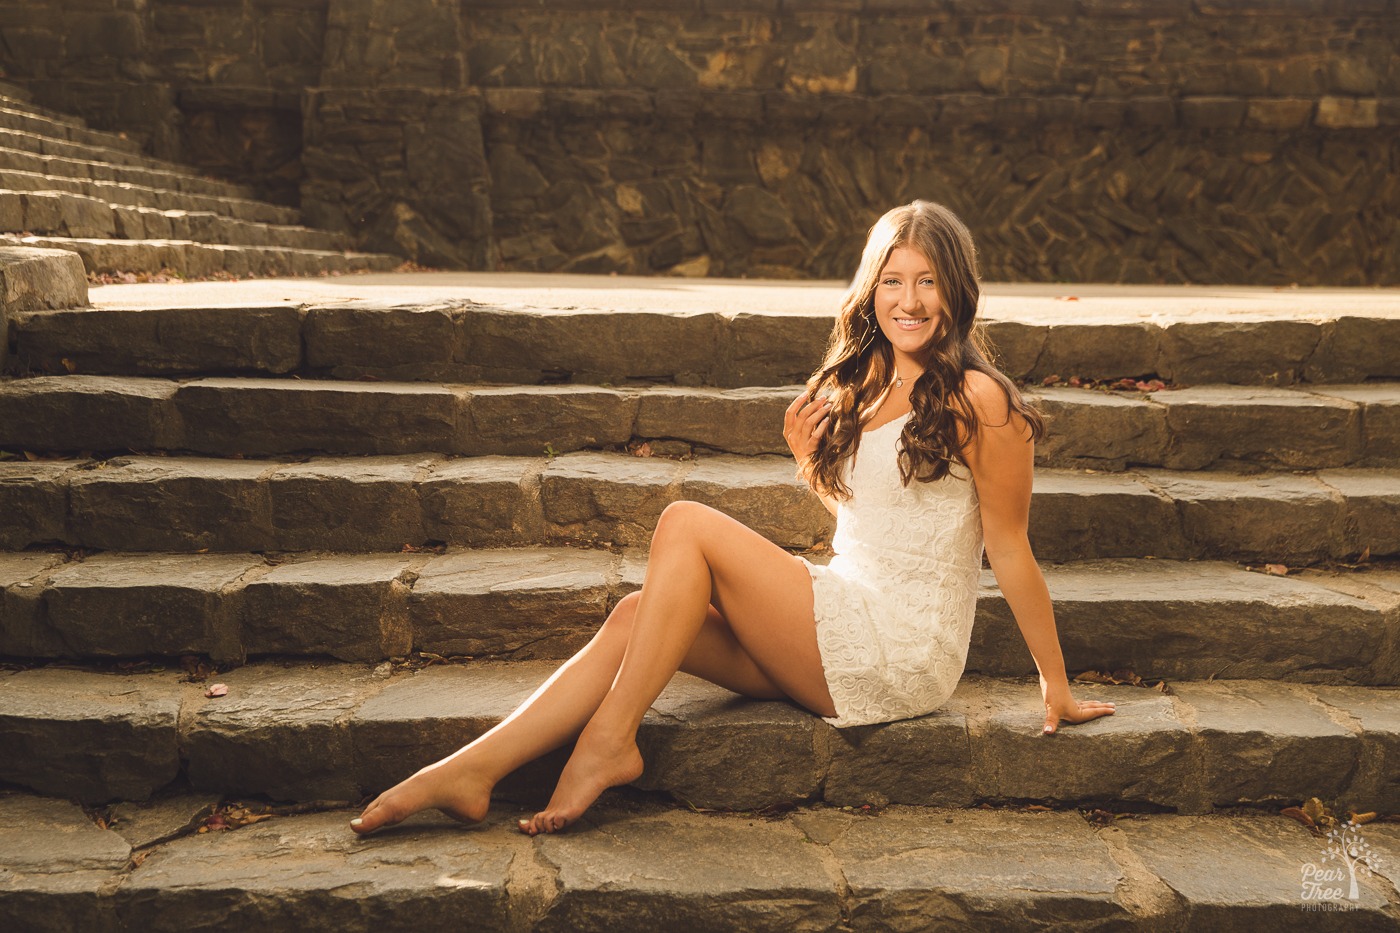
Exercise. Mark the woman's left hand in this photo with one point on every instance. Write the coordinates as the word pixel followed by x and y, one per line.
pixel 1061 706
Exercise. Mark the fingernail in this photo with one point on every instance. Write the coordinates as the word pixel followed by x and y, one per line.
pixel 356 821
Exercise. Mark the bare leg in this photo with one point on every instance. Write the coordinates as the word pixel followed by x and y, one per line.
pixel 699 558
pixel 460 784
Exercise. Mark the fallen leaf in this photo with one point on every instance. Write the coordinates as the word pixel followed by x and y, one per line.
pixel 642 450
pixel 1278 570
pixel 217 690
pixel 1361 818
pixel 1067 298
pixel 69 365
pixel 1298 814
pixel 1053 379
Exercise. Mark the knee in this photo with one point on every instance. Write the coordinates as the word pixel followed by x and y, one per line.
pixel 680 519
pixel 619 621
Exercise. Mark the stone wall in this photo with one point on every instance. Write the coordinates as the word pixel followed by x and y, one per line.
pixel 1209 141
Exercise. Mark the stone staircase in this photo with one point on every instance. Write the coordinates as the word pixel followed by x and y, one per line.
pixel 381 526
pixel 65 186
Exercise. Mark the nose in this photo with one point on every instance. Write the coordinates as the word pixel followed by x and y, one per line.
pixel 909 298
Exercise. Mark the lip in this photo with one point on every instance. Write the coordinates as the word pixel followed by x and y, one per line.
pixel 909 323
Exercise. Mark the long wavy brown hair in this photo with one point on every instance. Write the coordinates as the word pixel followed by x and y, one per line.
pixel 859 364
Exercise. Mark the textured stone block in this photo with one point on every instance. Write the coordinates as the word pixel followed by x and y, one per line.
pixel 94 737
pixel 1259 742
pixel 973 866
pixel 1379 404
pixel 171 503
pixel 770 349
pixel 1075 516
pixel 741 421
pixel 540 603
pixel 640 873
pixel 241 416
pixel 1376 783
pixel 22 630
pixel 925 761
pixel 1244 874
pixel 1140 753
pixel 134 605
pixel 1267 352
pixel 1274 516
pixel 255 740
pixel 36 278
pixel 712 748
pixel 1097 352
pixel 1095 429
pixel 1372 509
pixel 589 346
pixel 1356 348
pixel 275 874
pixel 59 866
pixel 1278 113
pixel 393 342
pixel 1271 426
pixel 764 494
pixel 531 420
pixel 482 501
pixel 69 413
pixel 350 608
pixel 33 499
pixel 162 341
pixel 1347 113
pixel 611 496
pixel 347 504
pixel 1194 620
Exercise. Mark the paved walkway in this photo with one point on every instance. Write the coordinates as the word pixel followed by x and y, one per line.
pixel 1030 302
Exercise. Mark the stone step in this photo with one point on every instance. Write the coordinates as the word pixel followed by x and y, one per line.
pixel 189 259
pixel 83 152
pixel 633 864
pixel 14 95
pixel 1158 618
pixel 1207 426
pixel 339 732
pixel 24 119
pixel 460 341
pixel 123 184
pixel 154 503
pixel 67 214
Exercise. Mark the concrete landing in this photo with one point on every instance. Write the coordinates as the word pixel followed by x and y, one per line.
pixel 1029 302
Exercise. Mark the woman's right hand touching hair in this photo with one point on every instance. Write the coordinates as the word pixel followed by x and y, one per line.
pixel 806 418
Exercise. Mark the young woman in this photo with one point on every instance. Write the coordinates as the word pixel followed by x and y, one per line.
pixel 921 449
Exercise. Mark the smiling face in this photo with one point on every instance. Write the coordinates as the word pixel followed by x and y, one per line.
pixel 908 307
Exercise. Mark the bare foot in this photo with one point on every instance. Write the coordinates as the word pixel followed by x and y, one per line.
pixel 450 785
pixel 592 769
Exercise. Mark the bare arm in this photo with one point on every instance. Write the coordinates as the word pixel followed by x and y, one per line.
pixel 1002 460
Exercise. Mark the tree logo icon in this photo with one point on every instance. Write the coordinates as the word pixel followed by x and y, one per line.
pixel 1333 879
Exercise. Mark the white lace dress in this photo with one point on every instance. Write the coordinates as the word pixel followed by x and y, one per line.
pixel 894 607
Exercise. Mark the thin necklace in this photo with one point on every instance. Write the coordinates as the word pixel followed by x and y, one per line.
pixel 898 380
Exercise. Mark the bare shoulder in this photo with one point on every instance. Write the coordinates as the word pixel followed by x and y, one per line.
pixel 988 398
